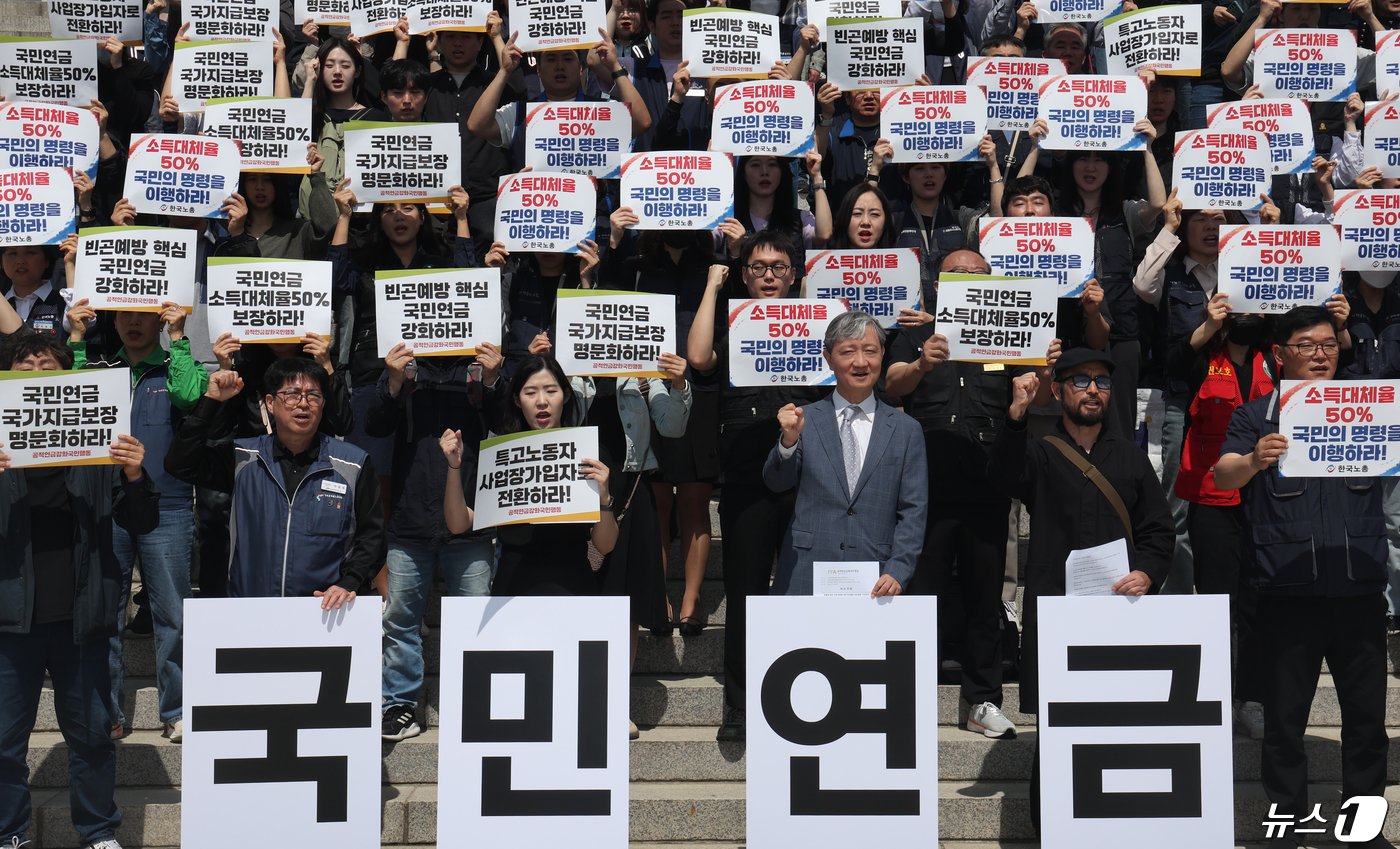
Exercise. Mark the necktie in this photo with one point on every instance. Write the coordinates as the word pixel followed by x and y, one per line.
pixel 850 447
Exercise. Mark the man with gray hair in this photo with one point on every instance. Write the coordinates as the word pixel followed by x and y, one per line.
pixel 860 470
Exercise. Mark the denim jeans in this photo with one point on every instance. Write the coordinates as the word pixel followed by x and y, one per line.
pixel 165 572
pixel 466 569
pixel 79 674
pixel 1203 96
pixel 1390 493
pixel 1180 578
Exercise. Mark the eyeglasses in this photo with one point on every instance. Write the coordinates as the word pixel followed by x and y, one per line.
pixel 1082 381
pixel 294 398
pixel 758 269
pixel 1307 349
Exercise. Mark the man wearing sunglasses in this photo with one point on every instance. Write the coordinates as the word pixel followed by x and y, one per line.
pixel 306 518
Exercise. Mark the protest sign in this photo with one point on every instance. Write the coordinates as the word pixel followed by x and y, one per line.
pixel 48 135
pixel 941 123
pixel 1305 64
pixel 578 138
pixel 1076 11
pixel 1092 113
pixel 1382 137
pixel 272 132
pixel 614 334
pixel 49 70
pixel 878 282
pixel 778 341
pixel 205 70
pixel 732 43
pixel 874 54
pixel 1272 268
pixel 821 11
pixel 220 20
pixel 1339 428
pixel 36 206
pixel 1286 122
pixel 96 19
pixel 188 176
pixel 1220 170
pixel 546 211
pixel 534 478
pixel 1061 249
pixel 136 268
pixel 63 418
pixel 371 17
pixel 1388 61
pixel 678 191
pixel 323 12
pixel 773 117
pixel 437 313
pixel 459 15
pixel 268 300
pixel 989 319
pixel 1165 39
pixel 402 161
pixel 1012 86
pixel 1369 223
pixel 556 24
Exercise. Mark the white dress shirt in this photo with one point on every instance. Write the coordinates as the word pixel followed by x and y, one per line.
pixel 24 304
pixel 863 425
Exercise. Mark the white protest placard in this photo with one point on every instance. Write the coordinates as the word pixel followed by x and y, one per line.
pixel 268 300
pixel 205 70
pixel 272 132
pixel 219 20
pixel 879 282
pixel 323 12
pixel 821 11
pixel 1272 268
pixel 371 17
pixel 546 211
pixel 614 334
pixel 534 478
pixel 1388 61
pixel 48 135
pixel 989 319
pixel 874 53
pixel 1286 122
pixel 678 191
pixel 1093 113
pixel 827 765
pixel 48 70
pixel 941 123
pixel 402 161
pixel 578 138
pixel 284 717
pixel 1369 224
pixel 1339 428
pixel 778 342
pixel 136 268
pixel 36 206
pixel 1165 39
pixel 1221 170
pixel 1135 722
pixel 437 313
pixel 96 19
pixel 458 15
pixel 1076 11
pixel 556 24
pixel 171 174
pixel 1012 86
pixel 1305 64
pixel 1061 249
pixel 535 691
pixel 732 43
pixel 1382 138
pixel 63 418
pixel 774 117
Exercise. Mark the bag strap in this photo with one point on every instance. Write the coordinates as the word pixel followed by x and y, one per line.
pixel 1093 474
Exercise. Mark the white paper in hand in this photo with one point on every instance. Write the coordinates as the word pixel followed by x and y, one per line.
pixel 1094 571
pixel 834 578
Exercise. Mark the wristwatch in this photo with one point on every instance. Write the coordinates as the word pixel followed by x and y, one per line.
pixel 619 74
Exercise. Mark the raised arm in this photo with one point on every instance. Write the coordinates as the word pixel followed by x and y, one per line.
pixel 700 344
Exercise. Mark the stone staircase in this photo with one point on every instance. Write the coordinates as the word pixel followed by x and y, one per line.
pixel 24 17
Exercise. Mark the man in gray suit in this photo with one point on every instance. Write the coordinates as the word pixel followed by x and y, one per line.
pixel 860 472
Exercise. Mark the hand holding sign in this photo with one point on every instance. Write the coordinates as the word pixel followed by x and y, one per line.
pixel 129 453
pixel 1268 451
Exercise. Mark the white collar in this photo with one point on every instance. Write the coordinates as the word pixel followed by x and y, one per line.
pixel 867 406
pixel 1191 265
pixel 45 289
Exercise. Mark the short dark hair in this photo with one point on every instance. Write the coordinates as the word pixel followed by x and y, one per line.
pixel 529 367
pixel 771 239
pixel 654 8
pixel 1300 318
pixel 1028 185
pixel 403 74
pixel 283 371
pixel 1003 41
pixel 26 343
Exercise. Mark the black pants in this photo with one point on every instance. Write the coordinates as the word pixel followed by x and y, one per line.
pixel 212 511
pixel 1217 545
pixel 972 537
pixel 1350 634
pixel 752 521
pixel 1122 404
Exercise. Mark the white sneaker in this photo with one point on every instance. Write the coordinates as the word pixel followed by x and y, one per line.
pixel 1249 719
pixel 1010 607
pixel 174 732
pixel 105 844
pixel 632 731
pixel 988 720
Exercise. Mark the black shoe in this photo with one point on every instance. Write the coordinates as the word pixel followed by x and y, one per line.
pixel 692 626
pixel 732 731
pixel 399 723
pixel 662 630
pixel 140 624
